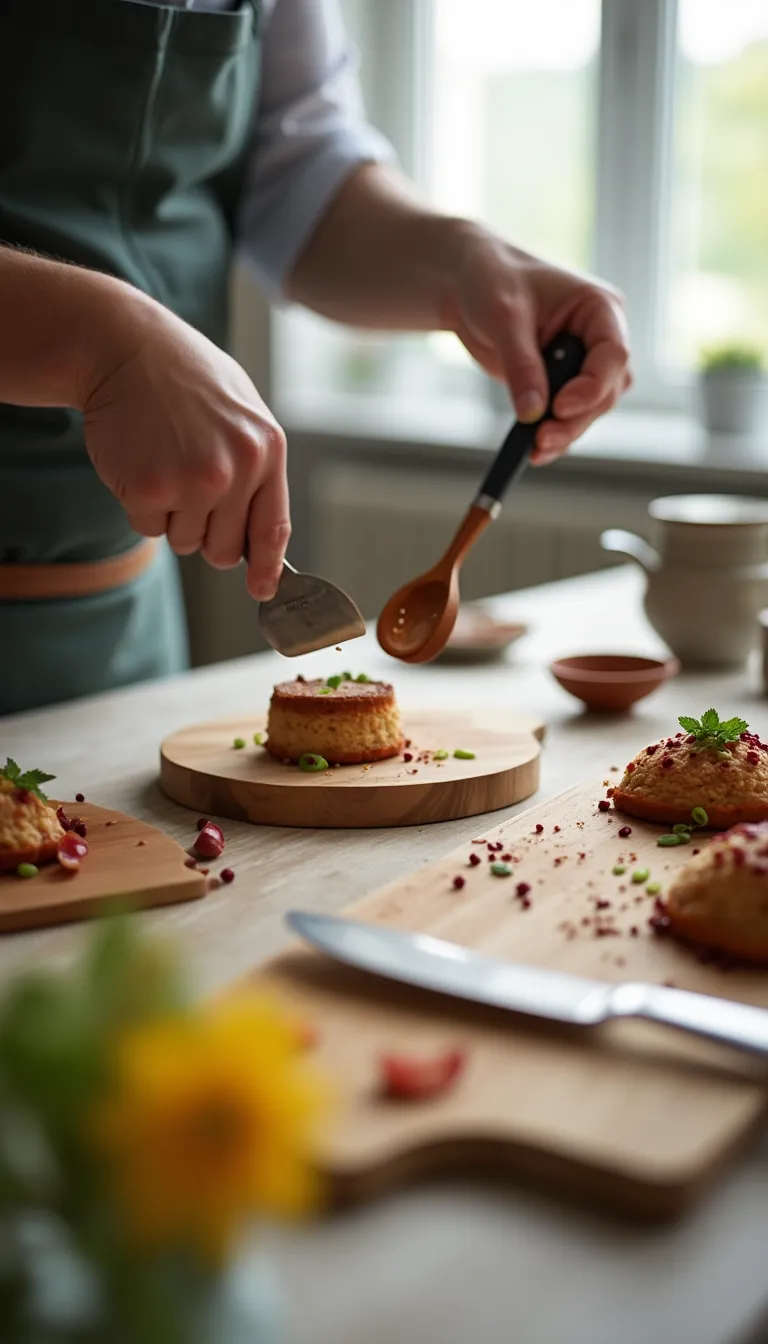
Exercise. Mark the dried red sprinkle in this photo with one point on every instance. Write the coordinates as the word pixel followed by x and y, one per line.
pixel 474 859
pixel 79 827
pixel 650 750
pixel 227 874
pixel 407 742
pixel 606 931
pixel 407 756
pixel 539 828
pixel 522 888
pixel 667 763
pixel 79 797
pixel 458 882
pixel 505 858
pixel 603 805
pixel 753 757
pixel 625 831
pixel 555 828
pixel 634 932
pixel 525 904
pixel 630 767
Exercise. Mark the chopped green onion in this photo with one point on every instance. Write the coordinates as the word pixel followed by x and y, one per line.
pixel 258 739
pixel 618 869
pixel 239 743
pixel 311 762
pixel 440 756
pixel 667 841
pixel 362 677
pixel 681 828
pixel 653 888
pixel 325 690
pixel 700 816
pixel 26 870
pixel 641 875
pixel 462 755
pixel 347 676
pixel 501 870
pixel 334 682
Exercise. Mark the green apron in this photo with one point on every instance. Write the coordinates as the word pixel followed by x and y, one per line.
pixel 124 130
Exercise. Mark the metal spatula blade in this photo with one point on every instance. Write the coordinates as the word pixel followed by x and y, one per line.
pixel 308 613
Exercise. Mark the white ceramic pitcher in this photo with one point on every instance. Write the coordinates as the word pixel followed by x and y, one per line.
pixel 708 579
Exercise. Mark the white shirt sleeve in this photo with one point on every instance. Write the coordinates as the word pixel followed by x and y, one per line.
pixel 310 133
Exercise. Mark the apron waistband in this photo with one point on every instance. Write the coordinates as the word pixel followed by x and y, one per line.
pixel 29 583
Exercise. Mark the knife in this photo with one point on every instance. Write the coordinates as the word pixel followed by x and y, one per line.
pixel 447 968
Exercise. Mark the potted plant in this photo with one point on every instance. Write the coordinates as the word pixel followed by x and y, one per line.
pixel 732 383
pixel 142 1137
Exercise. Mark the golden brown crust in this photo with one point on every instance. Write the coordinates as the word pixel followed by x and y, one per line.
pixel 315 697
pixel 719 898
pixel 668 779
pixel 353 723
pixel 30 831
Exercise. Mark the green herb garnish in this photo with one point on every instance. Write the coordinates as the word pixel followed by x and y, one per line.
pixel 668 841
pixel 440 756
pixel 361 677
pixel 334 683
pixel 682 828
pixel 462 755
pixel 27 779
pixel 711 733
pixel 700 816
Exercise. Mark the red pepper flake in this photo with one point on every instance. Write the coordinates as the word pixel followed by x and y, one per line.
pixel 458 882
pixel 634 932
pixel 525 904
pixel 474 859
pixel 602 905
pixel 139 843
pixel 603 805
pixel 418 1079
pixel 582 855
pixel 522 888
pixel 496 846
pixel 539 828
pixel 79 797
pixel 557 862
pixel 506 858
pixel 227 875
pixel 625 831
pixel 695 851
pixel 407 742
pixel 407 756
pixel 555 828
pixel 606 931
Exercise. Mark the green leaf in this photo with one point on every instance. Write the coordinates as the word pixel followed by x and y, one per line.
pixel 732 729
pixel 29 779
pixel 710 720
pixel 690 725
pixel 11 770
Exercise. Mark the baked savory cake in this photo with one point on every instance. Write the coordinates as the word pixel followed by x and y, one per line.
pixel 720 897
pixel 30 831
pixel 712 764
pixel 343 720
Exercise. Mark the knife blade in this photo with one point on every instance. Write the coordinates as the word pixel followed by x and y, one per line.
pixel 430 963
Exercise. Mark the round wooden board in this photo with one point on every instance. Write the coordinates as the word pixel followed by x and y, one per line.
pixel 128 861
pixel 201 769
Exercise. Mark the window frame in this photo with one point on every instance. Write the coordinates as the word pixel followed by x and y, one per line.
pixel 636 96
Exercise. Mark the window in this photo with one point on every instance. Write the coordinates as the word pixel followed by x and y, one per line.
pixel 629 137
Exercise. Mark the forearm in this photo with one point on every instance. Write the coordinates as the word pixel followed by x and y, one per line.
pixel 379 258
pixel 51 315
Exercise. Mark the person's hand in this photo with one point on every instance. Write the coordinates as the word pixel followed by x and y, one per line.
pixel 177 431
pixel 506 305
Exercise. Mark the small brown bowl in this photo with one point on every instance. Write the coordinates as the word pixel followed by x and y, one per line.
pixel 611 682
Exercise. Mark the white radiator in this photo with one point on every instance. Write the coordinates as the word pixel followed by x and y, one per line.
pixel 374 526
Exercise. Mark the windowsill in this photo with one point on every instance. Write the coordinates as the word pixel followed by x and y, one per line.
pixel 627 441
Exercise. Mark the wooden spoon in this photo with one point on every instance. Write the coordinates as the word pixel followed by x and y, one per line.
pixel 417 622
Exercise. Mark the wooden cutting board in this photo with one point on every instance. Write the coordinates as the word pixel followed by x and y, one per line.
pixel 127 861
pixel 201 769
pixel 631 1114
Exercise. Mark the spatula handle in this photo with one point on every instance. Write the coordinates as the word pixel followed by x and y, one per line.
pixel 563 359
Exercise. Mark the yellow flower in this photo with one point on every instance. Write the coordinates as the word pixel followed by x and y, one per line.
pixel 209 1122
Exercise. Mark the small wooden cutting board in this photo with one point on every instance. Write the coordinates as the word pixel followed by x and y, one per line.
pixel 127 861
pixel 630 1114
pixel 201 769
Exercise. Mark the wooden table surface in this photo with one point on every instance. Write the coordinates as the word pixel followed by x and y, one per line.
pixel 457 1263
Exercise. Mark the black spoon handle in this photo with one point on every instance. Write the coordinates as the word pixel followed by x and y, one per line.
pixel 563 359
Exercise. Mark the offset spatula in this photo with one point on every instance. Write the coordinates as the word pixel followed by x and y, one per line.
pixel 433 964
pixel 308 613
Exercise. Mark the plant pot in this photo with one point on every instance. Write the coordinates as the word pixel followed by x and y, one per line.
pixel 733 401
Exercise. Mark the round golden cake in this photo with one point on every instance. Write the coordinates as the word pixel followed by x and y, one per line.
pixel 670 777
pixel 30 831
pixel 720 897
pixel 348 724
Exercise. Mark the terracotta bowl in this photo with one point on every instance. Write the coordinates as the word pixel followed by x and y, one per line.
pixel 611 682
